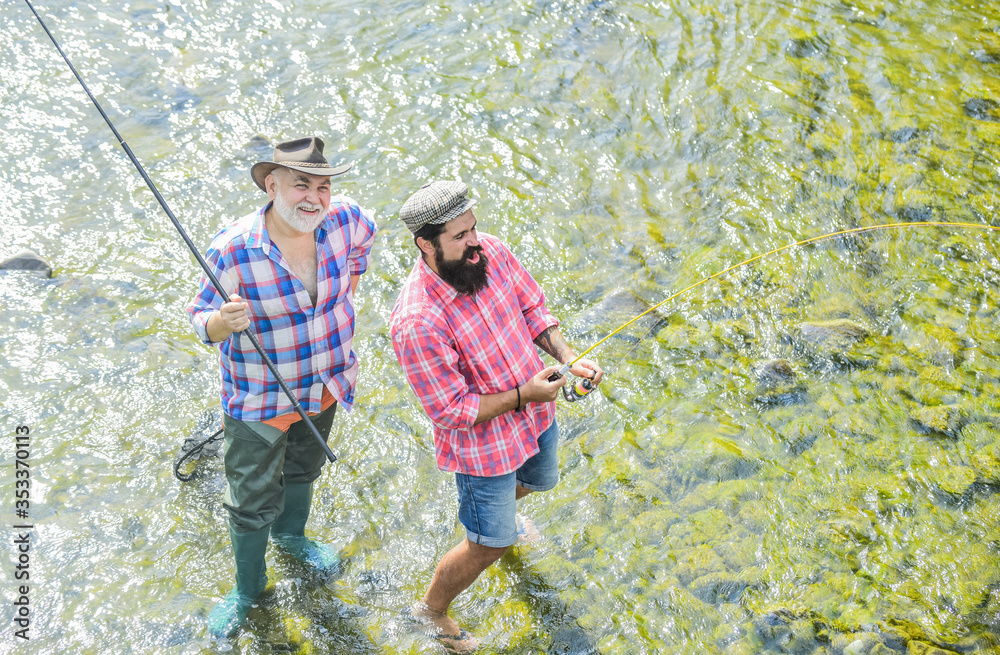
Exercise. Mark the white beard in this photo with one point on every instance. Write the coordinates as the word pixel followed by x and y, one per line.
pixel 291 215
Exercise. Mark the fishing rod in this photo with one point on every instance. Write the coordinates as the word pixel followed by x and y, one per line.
pixel 584 386
pixel 190 244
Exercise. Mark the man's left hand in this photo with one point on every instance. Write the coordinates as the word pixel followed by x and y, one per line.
pixel 588 368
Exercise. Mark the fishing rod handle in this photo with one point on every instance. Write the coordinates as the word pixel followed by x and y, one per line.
pixel 574 391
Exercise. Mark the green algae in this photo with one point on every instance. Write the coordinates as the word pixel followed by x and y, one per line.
pixel 621 149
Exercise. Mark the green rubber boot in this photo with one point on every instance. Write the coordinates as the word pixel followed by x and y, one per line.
pixel 251 578
pixel 289 531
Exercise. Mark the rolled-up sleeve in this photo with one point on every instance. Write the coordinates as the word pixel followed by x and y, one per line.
pixel 431 368
pixel 207 301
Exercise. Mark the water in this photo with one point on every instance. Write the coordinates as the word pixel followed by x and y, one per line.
pixel 624 150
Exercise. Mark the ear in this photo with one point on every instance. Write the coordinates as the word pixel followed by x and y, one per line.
pixel 426 247
pixel 271 185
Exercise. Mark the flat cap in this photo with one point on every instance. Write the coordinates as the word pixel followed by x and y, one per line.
pixel 436 202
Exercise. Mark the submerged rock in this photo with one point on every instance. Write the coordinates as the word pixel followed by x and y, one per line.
pixel 612 311
pixel 943 419
pixel 819 331
pixel 573 640
pixel 860 645
pixel 924 648
pixel 832 338
pixel 258 142
pixel 916 213
pixel 982 109
pixel 805 48
pixel 902 135
pixel 776 384
pixel 953 481
pixel 715 588
pixel 27 261
pixel 987 467
pixel 774 372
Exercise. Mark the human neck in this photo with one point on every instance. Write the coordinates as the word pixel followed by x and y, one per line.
pixel 429 260
pixel 279 228
pixel 297 248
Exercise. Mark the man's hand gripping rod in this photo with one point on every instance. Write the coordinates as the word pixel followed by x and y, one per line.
pixel 190 244
pixel 577 390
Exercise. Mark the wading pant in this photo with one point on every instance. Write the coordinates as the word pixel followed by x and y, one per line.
pixel 261 460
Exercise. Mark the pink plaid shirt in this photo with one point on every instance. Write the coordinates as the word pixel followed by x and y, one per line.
pixel 455 347
pixel 311 346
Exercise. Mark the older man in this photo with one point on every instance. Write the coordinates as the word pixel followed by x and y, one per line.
pixel 464 329
pixel 290 270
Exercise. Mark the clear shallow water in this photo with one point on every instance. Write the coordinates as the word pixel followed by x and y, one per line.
pixel 625 151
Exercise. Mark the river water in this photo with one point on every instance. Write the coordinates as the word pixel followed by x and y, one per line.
pixel 842 500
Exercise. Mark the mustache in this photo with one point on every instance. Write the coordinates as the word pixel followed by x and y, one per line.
pixel 308 206
pixel 470 251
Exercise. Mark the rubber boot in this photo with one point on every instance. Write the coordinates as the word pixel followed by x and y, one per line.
pixel 289 531
pixel 251 579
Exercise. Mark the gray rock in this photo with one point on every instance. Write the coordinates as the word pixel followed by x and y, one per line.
pixel 258 143
pixel 777 384
pixel 916 213
pixel 774 372
pixel 903 134
pixel 27 261
pixel 987 57
pixel 836 334
pixel 982 109
pixel 806 48
pixel 613 310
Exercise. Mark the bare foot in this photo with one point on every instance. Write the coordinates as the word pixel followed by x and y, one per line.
pixel 445 629
pixel 527 531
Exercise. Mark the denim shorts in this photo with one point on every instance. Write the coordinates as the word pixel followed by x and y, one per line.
pixel 486 505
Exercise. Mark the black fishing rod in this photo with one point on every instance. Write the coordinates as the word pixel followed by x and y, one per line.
pixel 190 244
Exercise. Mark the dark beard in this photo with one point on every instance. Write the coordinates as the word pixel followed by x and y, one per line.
pixel 467 279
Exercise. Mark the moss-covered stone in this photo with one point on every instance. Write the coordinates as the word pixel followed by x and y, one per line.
pixel 882 649
pixel 837 333
pixel 905 630
pixel 924 648
pixel 953 480
pixel 944 420
pixel 694 563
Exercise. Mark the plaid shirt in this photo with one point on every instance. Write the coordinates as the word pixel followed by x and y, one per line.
pixel 455 347
pixel 311 346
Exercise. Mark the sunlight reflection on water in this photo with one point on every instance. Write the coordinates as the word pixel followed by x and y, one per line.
pixel 618 147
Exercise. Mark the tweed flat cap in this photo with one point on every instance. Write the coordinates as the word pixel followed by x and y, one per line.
pixel 436 202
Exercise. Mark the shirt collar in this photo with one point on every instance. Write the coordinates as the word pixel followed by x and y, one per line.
pixel 257 232
pixel 434 284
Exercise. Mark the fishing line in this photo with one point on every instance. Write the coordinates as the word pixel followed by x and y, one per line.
pixel 190 244
pixel 804 242
pixel 195 451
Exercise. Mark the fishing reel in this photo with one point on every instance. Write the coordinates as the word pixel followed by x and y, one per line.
pixel 573 392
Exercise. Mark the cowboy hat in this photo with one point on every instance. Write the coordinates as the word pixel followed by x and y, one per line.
pixel 304 155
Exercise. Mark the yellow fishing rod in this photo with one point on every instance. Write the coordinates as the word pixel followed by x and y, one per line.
pixel 583 386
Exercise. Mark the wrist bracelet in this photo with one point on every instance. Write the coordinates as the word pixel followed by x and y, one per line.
pixel 518 407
